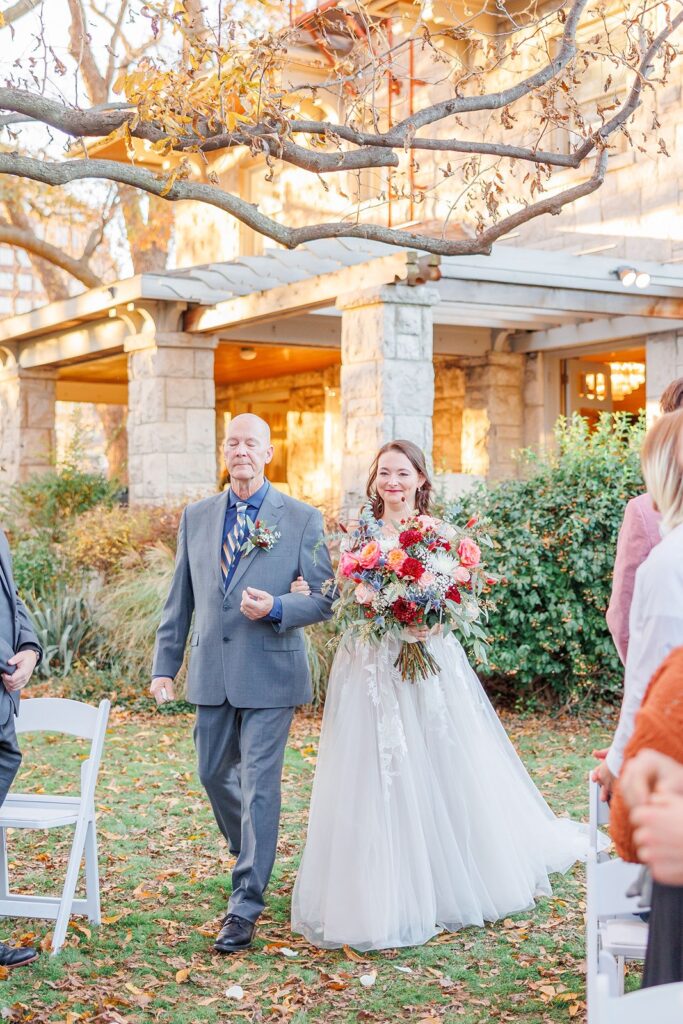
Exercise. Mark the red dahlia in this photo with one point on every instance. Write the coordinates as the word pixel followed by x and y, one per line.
pixel 453 594
pixel 404 611
pixel 409 537
pixel 411 568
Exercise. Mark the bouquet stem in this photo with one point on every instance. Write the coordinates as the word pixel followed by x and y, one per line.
pixel 415 661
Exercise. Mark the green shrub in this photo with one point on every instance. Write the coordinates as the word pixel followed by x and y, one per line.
pixel 38 565
pixel 44 503
pixel 128 611
pixel 62 621
pixel 555 534
pixel 320 655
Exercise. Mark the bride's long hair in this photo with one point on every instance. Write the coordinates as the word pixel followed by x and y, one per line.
pixel 415 455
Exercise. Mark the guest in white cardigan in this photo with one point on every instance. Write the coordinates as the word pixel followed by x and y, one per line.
pixel 656 616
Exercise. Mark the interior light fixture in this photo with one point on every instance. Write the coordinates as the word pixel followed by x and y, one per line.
pixel 247 353
pixel 642 279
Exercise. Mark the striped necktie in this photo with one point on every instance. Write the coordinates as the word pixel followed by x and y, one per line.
pixel 233 540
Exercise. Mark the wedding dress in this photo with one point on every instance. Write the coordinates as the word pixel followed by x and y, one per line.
pixel 422 816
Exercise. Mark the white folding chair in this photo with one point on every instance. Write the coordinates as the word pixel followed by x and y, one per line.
pixel 613 934
pixel 37 811
pixel 662 1004
pixel 598 814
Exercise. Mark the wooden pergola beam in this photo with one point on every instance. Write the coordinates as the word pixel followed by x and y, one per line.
pixel 595 332
pixel 290 299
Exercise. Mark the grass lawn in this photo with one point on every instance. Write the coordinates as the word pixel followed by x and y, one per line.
pixel 165 883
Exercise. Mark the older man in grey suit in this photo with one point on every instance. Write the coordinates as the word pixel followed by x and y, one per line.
pixel 20 652
pixel 248 668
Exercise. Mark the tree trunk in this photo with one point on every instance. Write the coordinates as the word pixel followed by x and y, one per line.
pixel 113 419
pixel 149 226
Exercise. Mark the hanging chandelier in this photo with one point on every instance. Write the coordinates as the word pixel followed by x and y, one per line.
pixel 626 378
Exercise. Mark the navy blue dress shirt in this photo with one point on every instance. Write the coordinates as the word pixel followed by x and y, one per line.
pixel 253 503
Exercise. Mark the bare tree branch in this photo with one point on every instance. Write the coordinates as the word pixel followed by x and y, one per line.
pixel 247 213
pixel 18 10
pixel 24 238
pixel 80 48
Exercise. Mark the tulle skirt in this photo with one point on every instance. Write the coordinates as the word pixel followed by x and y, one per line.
pixel 422 816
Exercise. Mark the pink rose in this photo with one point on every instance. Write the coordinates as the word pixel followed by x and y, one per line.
pixel 370 555
pixel 364 593
pixel 426 580
pixel 348 563
pixel 469 553
pixel 461 574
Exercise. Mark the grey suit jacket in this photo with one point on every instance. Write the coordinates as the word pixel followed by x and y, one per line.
pixel 15 625
pixel 257 664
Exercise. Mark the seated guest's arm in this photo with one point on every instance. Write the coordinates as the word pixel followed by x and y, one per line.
pixel 655 639
pixel 658 836
pixel 633 546
pixel 650 772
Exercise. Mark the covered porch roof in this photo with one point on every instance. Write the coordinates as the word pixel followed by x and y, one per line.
pixel 541 300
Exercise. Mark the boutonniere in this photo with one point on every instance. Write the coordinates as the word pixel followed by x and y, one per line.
pixel 259 535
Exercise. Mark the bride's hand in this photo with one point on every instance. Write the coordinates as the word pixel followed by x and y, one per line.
pixel 418 632
pixel 300 586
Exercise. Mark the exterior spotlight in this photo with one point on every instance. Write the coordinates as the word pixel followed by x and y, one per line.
pixel 642 279
pixel 247 353
pixel 627 275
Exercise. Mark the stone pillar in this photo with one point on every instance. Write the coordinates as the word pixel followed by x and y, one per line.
pixel 171 417
pixel 663 364
pixel 27 423
pixel 493 420
pixel 449 397
pixel 387 377
pixel 534 435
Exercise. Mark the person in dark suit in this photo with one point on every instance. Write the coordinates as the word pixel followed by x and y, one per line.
pixel 20 652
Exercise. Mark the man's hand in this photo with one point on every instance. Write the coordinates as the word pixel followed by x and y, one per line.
pixel 658 836
pixel 256 603
pixel 25 661
pixel 162 689
pixel 604 776
pixel 647 773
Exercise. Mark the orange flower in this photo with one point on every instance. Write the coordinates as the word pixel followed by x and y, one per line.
pixel 369 555
pixel 395 559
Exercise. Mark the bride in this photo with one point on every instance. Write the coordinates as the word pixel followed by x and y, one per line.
pixel 422 816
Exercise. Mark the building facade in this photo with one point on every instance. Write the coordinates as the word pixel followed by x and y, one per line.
pixel 344 344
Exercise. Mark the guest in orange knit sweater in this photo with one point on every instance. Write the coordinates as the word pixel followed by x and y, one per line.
pixel 658 727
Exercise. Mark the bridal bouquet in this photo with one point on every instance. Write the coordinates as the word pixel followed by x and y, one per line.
pixel 429 574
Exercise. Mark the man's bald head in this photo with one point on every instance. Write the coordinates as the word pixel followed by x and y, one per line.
pixel 247 452
pixel 248 424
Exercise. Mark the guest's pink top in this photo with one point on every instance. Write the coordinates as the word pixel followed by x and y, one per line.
pixel 638 535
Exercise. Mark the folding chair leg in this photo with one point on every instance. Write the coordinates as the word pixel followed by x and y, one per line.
pixel 621 968
pixel 92 874
pixel 607 964
pixel 69 890
pixel 4 872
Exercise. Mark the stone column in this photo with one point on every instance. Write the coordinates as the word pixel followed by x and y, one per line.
pixel 534 435
pixel 493 421
pixel 171 417
pixel 663 364
pixel 387 377
pixel 27 423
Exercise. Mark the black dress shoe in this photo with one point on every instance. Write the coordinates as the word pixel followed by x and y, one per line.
pixel 16 957
pixel 236 933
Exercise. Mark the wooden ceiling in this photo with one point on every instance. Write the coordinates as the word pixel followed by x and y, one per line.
pixel 270 361
pixel 231 367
